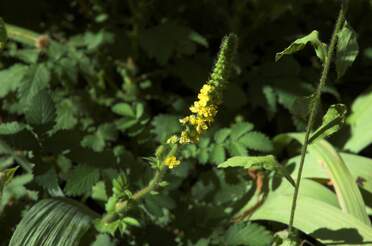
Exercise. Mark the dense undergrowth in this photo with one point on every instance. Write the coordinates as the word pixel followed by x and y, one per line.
pixel 185 122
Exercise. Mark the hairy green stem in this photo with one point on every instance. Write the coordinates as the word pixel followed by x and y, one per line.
pixel 314 109
pixel 22 35
pixel 121 207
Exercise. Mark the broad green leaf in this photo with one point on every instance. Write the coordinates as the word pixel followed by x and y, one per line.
pixel 41 110
pixel 53 222
pixel 11 128
pixel 11 78
pixel 221 135
pixel 103 240
pixel 99 191
pixel 360 123
pixel 81 179
pixel 66 115
pixel 3 34
pixel 347 191
pixel 332 121
pixel 217 154
pixel 299 44
pixel 322 221
pixel 360 168
pixel 238 129
pixel 347 49
pixel 49 182
pixel 35 79
pixel 236 148
pixel 246 233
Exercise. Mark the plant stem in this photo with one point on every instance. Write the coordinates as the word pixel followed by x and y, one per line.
pixel 121 207
pixel 314 109
pixel 22 35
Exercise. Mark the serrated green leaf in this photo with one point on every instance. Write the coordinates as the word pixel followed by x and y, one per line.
pixel 99 192
pixel 3 34
pixel 246 233
pixel 238 129
pixel 66 115
pixel 81 179
pixel 236 148
pixel 41 110
pixel 97 141
pixel 164 126
pixel 299 44
pixel 35 79
pixel 256 141
pixel 16 189
pixel 203 155
pixel 49 182
pixel 332 121
pixel 11 78
pixel 217 154
pixel 53 222
pixel 347 49
pixel 221 135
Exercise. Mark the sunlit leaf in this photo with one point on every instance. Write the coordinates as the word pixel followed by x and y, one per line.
pixel 299 44
pixel 332 121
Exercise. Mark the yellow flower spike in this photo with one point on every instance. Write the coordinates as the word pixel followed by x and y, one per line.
pixel 171 161
pixel 205 108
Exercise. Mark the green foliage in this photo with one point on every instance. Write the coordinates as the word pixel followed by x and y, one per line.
pixel 80 180
pixel 87 110
pixel 347 49
pixel 236 140
pixel 312 38
pixel 332 122
pixel 53 222
pixel 359 123
pixel 247 234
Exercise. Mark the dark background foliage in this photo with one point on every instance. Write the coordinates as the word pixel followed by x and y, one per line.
pixel 153 56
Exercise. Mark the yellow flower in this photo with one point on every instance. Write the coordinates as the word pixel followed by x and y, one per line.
pixel 172 140
pixel 171 161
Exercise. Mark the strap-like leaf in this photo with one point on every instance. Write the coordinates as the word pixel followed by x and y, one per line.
pixel 53 222
pixel 320 220
pixel 333 120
